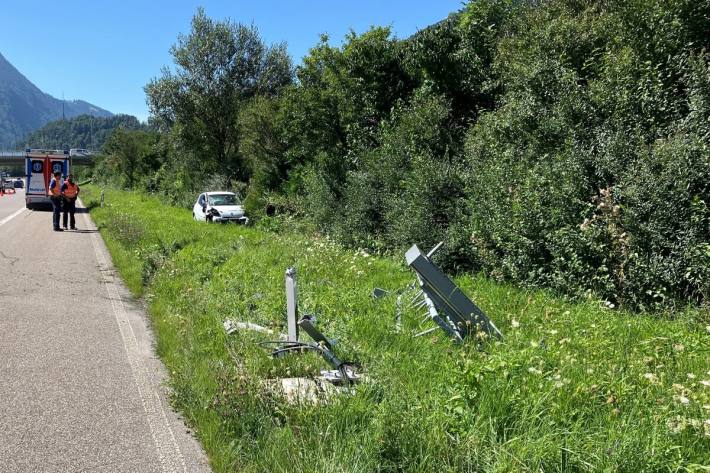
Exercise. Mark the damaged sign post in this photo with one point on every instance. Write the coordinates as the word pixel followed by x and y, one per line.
pixel 291 305
pixel 344 372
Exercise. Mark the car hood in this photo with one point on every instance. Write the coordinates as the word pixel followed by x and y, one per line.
pixel 229 209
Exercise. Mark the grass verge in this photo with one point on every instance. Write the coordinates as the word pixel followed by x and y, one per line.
pixel 574 386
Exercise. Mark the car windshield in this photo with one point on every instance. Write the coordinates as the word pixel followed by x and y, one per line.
pixel 222 199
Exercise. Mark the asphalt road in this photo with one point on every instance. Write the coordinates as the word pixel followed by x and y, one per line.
pixel 81 389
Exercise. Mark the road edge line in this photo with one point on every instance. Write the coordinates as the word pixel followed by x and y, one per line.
pixel 168 449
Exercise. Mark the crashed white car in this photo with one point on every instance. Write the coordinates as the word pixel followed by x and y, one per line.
pixel 219 207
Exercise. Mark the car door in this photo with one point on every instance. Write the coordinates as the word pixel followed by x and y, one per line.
pixel 198 209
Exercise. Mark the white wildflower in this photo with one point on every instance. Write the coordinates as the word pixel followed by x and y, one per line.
pixel 676 425
pixel 682 399
pixel 652 378
pixel 514 323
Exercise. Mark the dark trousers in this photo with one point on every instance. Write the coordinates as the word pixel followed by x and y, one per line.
pixel 56 210
pixel 69 208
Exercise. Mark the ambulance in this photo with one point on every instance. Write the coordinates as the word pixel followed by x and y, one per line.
pixel 40 166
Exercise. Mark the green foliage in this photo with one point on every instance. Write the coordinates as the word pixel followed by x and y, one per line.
pixel 573 387
pixel 561 144
pixel 592 175
pixel 219 67
pixel 263 148
pixel 127 157
pixel 84 132
pixel 455 55
pixel 342 97
pixel 404 191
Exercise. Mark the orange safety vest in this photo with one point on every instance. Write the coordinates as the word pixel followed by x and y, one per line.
pixel 57 190
pixel 71 191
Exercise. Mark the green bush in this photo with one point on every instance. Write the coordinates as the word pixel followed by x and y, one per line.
pixel 573 184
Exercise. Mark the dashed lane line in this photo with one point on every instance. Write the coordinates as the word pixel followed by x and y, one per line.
pixel 11 216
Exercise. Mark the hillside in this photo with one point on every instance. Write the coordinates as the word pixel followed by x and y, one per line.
pixel 25 108
pixel 84 131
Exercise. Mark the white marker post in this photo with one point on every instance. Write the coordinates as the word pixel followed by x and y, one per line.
pixel 291 305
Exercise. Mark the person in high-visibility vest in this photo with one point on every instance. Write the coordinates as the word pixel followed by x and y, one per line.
pixel 55 195
pixel 70 191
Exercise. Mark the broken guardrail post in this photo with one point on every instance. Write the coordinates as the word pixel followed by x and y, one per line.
pixel 307 324
pixel 291 305
pixel 448 306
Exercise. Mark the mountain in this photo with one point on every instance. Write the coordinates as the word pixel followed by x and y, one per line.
pixel 25 108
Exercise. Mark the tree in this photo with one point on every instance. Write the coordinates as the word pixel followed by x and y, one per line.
pixel 342 97
pixel 128 155
pixel 219 66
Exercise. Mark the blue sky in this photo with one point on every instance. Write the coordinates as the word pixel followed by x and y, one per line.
pixel 105 51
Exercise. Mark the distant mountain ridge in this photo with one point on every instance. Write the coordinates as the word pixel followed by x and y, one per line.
pixel 84 131
pixel 25 108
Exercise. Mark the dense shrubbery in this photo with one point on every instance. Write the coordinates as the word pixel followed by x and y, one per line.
pixel 592 174
pixel 558 143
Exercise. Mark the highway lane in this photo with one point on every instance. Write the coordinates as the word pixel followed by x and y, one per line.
pixel 11 203
pixel 80 386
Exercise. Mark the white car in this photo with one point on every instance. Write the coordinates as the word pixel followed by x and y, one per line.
pixel 219 207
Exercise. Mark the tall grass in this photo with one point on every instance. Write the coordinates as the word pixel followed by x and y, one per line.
pixel 573 387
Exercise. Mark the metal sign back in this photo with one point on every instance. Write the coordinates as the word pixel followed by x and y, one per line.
pixel 463 315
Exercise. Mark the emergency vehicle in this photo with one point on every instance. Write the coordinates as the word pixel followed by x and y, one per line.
pixel 40 165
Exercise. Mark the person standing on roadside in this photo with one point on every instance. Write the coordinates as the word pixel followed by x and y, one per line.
pixel 70 191
pixel 55 195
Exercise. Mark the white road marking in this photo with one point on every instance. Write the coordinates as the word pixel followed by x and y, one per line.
pixel 167 447
pixel 10 217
